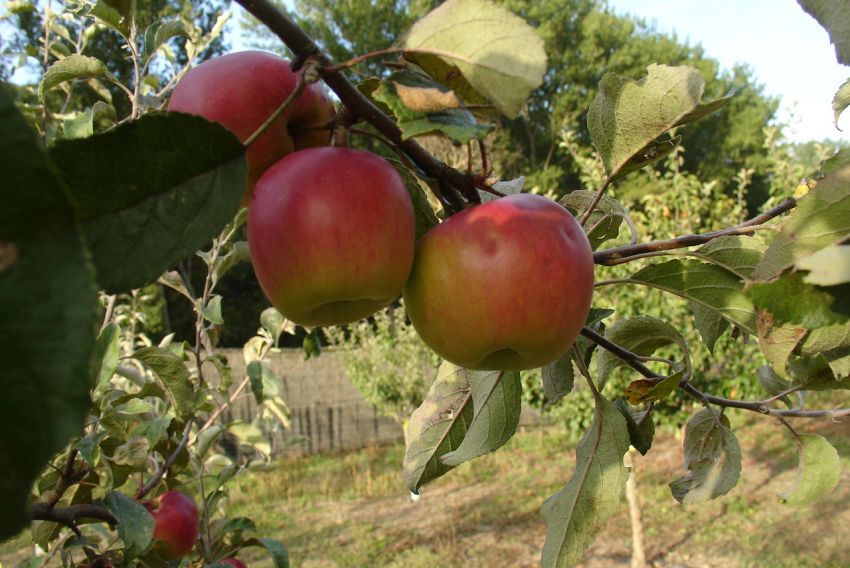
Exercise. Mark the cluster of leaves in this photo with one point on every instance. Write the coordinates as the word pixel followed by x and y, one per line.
pixel 115 211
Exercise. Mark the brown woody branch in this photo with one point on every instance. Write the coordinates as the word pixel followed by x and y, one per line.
pixel 455 186
pixel 70 516
pixel 760 406
pixel 619 255
pixel 169 461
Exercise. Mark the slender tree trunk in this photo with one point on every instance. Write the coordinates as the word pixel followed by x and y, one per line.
pixel 638 554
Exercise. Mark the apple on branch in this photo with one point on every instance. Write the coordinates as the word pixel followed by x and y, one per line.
pixel 176 524
pixel 502 285
pixel 241 91
pixel 331 235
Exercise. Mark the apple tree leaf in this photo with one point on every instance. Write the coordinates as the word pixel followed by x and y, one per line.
pixel 712 456
pixel 820 468
pixel 135 524
pixel 829 266
pixel 605 220
pixel 790 300
pixel 422 106
pixel 153 190
pixel 278 552
pixel 738 254
pixel 576 513
pixel 821 219
pixel 840 101
pixel 639 424
pixel 558 378
pixel 834 17
pixel 711 286
pixel 642 335
pixel 496 51
pixel 709 323
pixel 466 414
pixel 48 315
pixel 69 68
pixel 424 215
pixel 627 116
pixel 173 377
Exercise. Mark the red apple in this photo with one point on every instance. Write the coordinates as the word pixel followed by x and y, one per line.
pixel 235 562
pixel 176 524
pixel 331 235
pixel 240 91
pixel 503 285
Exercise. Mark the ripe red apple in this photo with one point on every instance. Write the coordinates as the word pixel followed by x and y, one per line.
pixel 502 285
pixel 176 524
pixel 235 562
pixel 331 235
pixel 241 90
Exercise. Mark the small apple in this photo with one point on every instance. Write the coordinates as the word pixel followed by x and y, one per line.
pixel 241 90
pixel 331 235
pixel 502 285
pixel 176 524
pixel 235 562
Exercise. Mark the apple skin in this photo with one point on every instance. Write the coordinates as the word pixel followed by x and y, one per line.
pixel 240 91
pixel 503 285
pixel 331 235
pixel 235 562
pixel 176 524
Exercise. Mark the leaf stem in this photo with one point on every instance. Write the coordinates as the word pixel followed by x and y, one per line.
pixel 595 202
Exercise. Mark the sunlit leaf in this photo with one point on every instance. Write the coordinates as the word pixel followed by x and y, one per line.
pixel 820 468
pixel 500 55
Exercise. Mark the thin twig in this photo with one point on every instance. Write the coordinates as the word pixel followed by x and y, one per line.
pixel 157 477
pixel 360 58
pixel 214 416
pixel 595 202
pixel 618 255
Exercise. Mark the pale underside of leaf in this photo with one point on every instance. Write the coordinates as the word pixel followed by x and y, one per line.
pixel 820 468
pixel 578 512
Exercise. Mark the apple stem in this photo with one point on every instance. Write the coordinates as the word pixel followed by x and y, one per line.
pixel 308 75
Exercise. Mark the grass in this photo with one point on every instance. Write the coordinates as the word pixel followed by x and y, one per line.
pixel 352 510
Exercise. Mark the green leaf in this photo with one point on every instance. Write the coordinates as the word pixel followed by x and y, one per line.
pixel 605 220
pixel 312 345
pixel 263 380
pixel 840 101
pixel 645 390
pixel 105 356
pixel 172 375
pixel 275 324
pixel 48 316
pixel 154 190
pixel 500 55
pixel 627 115
pixel 278 552
pixel 708 285
pixel 642 335
pixel 777 342
pixel 834 17
pixel 826 338
pixel 558 378
pixel 135 525
pixel 239 253
pixel 160 32
pixel 827 267
pixel 705 109
pixel 772 383
pixel 789 300
pixel 134 453
pixel 649 154
pixel 821 219
pixel 424 214
pixel 712 456
pixel 465 414
pixel 250 435
pixel 639 424
pixel 212 310
pixel 820 468
pixel 709 323
pixel 206 440
pixel 80 126
pixel 737 254
pixel 70 68
pixel 422 106
pixel 578 512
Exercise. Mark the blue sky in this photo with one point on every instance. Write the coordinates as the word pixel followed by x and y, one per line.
pixel 786 48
